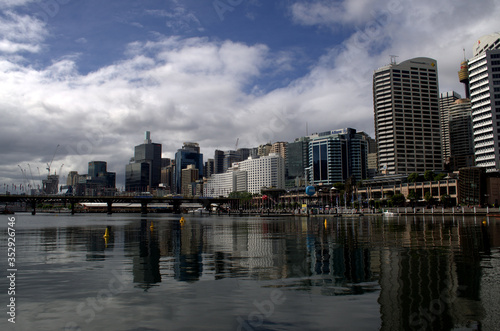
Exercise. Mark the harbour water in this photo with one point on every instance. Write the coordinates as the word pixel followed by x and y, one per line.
pixel 252 273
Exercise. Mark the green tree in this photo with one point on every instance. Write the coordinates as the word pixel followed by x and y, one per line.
pixel 398 200
pixel 439 177
pixel 413 177
pixel 412 196
pixel 429 175
pixel 428 197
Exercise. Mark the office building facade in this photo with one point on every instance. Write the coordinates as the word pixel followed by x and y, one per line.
pixel 189 154
pixel 484 84
pixel 148 155
pixel 406 114
pixel 446 99
pixel 335 156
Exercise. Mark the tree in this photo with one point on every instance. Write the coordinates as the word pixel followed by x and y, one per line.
pixel 413 177
pixel 438 177
pixel 398 199
pixel 428 197
pixel 412 196
pixel 429 175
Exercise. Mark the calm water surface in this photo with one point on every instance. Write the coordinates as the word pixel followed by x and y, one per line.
pixel 239 273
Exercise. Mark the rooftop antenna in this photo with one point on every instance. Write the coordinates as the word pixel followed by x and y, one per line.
pixel 307 130
pixel 393 59
pixel 464 55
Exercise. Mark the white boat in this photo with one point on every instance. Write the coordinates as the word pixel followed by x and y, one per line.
pixel 389 213
pixel 199 211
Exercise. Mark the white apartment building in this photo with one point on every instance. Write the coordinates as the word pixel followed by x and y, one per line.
pixel 484 80
pixel 233 180
pixel 265 171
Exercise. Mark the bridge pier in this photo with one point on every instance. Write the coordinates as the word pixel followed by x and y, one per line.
pixel 177 207
pixel 33 206
pixel 110 207
pixel 144 208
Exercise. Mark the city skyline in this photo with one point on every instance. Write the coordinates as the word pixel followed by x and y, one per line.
pixel 197 72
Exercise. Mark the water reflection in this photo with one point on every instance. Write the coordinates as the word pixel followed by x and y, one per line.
pixel 429 273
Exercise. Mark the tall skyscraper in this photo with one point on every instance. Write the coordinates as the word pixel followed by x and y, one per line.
pixel 446 99
pixel 297 159
pixel 460 135
pixel 484 79
pixel 218 162
pixel 188 154
pixel 144 171
pixel 406 111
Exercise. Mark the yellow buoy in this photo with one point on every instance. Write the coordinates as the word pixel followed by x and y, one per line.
pixel 325 222
pixel 106 234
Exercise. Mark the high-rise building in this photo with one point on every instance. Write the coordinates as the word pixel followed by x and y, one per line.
pixel 297 159
pixel 209 168
pixel 218 162
pixel 189 154
pixel 484 80
pixel 460 135
pixel 280 148
pixel 372 154
pixel 229 158
pixel 264 150
pixel 335 156
pixel 446 99
pixel 189 176
pixel 406 111
pixel 147 153
pixel 263 172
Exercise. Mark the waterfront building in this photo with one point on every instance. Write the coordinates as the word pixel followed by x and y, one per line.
pixel 97 182
pixel 167 177
pixel 406 113
pixel 460 136
pixel 335 156
pixel 264 172
pixel 149 154
pixel 188 154
pixel 372 154
pixel 234 180
pixel 484 80
pixel 189 175
pixel 446 99
pixel 297 160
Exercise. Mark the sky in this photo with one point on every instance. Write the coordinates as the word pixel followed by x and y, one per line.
pixel 92 76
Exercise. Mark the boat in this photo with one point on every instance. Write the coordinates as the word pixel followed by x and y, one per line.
pixel 389 213
pixel 199 211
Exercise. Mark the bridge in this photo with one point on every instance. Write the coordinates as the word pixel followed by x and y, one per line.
pixel 176 202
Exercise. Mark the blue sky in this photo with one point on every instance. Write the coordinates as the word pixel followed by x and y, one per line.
pixel 92 76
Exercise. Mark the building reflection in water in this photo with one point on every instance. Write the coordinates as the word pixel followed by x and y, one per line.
pixel 428 271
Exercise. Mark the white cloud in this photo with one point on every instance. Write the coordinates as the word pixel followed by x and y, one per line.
pixel 20 33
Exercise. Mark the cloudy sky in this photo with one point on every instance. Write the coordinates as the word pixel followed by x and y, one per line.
pixel 92 76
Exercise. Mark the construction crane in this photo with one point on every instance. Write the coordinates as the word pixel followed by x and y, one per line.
pixel 53 156
pixel 26 181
